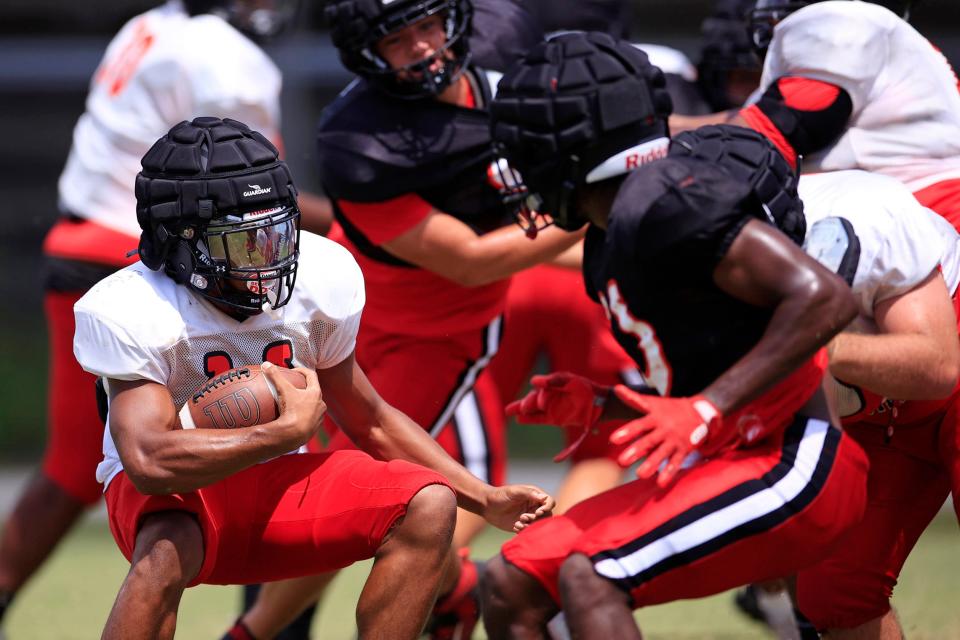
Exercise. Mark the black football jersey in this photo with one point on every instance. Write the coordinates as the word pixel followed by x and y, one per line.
pixel 502 32
pixel 652 269
pixel 373 147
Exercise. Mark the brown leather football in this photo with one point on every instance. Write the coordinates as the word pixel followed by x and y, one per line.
pixel 240 397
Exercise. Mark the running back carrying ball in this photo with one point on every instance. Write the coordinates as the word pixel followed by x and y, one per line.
pixel 240 397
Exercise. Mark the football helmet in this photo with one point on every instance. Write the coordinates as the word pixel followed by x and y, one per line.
pixel 726 50
pixel 261 20
pixel 580 108
pixel 358 25
pixel 767 13
pixel 218 213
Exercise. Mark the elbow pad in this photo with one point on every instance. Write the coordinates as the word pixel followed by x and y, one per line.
pixel 810 114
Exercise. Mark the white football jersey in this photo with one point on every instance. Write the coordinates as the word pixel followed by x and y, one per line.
pixel 161 68
pixel 138 324
pixel 901 241
pixel 906 103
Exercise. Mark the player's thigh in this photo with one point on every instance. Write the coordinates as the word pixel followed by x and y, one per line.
pixel 524 326
pixel 949 447
pixel 904 493
pixel 724 522
pixel 418 375
pixel 308 514
pixel 75 430
pixel 744 516
pixel 476 435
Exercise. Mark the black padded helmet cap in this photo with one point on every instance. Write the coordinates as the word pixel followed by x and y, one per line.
pixel 583 95
pixel 201 170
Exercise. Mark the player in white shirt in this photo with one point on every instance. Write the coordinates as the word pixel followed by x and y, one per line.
pixel 898 365
pixel 227 280
pixel 851 85
pixel 174 62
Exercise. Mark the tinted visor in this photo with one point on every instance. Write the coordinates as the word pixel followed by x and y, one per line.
pixel 260 241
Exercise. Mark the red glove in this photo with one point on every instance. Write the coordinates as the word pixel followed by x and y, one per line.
pixel 671 429
pixel 562 399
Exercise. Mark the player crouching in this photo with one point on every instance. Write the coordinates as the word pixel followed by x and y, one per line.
pixel 240 284
pixel 743 477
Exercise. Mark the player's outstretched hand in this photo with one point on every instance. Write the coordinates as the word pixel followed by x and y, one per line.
pixel 301 410
pixel 668 431
pixel 563 399
pixel 515 506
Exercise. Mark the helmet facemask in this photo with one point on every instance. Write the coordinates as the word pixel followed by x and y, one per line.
pixel 248 262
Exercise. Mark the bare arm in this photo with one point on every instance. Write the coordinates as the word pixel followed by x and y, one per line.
pixel 680 123
pixel 161 458
pixel 917 354
pixel 387 434
pixel 446 246
pixel 810 303
pixel 572 258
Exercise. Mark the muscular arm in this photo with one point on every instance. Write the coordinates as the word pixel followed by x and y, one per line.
pixel 448 247
pixel 917 354
pixel 387 434
pixel 811 305
pixel 161 458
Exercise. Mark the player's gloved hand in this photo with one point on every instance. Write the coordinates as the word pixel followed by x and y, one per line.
pixel 516 506
pixel 562 399
pixel 670 429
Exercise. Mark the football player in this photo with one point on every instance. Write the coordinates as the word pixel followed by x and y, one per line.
pixel 547 304
pixel 897 367
pixel 177 61
pixel 706 287
pixel 405 155
pixel 851 85
pixel 227 279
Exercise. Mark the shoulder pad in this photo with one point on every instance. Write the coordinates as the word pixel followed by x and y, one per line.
pixel 373 147
pixel 674 199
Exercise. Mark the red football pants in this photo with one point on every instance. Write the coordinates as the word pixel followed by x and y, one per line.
pixel 911 474
pixel 746 515
pixel 74 429
pixel 549 312
pixel 296 515
pixel 436 381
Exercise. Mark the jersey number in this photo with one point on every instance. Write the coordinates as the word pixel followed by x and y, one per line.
pixel 115 73
pixel 279 353
pixel 657 370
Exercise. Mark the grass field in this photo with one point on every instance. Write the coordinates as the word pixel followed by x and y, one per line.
pixel 71 597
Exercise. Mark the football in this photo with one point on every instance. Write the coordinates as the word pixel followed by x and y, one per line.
pixel 240 397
